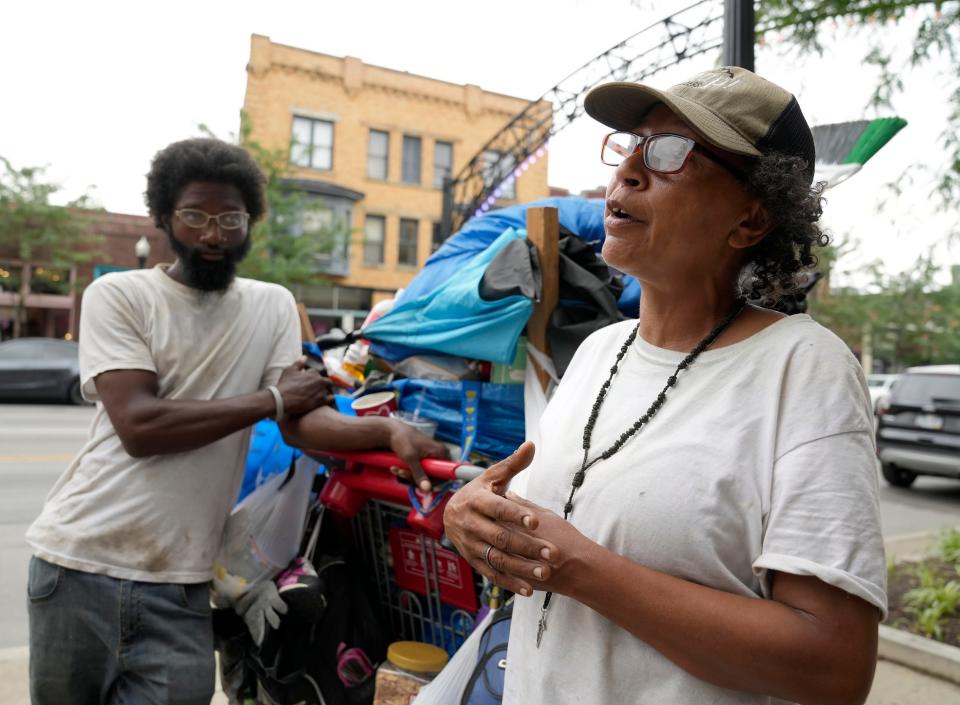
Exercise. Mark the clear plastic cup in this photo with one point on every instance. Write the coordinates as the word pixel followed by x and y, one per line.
pixel 427 427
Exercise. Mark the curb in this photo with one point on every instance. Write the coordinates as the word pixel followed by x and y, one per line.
pixel 910 547
pixel 920 654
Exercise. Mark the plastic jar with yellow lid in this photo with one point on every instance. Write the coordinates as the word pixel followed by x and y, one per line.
pixel 409 666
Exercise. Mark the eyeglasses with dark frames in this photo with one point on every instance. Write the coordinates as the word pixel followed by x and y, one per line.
pixel 231 220
pixel 664 153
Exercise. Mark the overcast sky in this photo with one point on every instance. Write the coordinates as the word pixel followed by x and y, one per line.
pixel 94 89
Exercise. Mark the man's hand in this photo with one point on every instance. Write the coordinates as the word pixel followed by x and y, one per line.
pixel 479 517
pixel 303 389
pixel 411 445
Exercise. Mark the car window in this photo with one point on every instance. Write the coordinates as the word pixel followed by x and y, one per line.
pixel 920 390
pixel 875 382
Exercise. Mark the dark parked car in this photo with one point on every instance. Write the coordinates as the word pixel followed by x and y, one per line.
pixel 918 425
pixel 40 368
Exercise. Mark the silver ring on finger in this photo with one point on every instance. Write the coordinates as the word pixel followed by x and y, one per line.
pixel 486 556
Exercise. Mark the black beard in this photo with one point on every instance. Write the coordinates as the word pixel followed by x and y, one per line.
pixel 205 275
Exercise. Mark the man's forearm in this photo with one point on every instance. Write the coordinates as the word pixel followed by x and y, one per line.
pixel 162 426
pixel 326 429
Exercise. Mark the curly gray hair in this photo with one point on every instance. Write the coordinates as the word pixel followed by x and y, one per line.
pixel 771 266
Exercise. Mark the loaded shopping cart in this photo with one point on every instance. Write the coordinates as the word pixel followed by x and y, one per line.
pixel 425 591
pixel 387 573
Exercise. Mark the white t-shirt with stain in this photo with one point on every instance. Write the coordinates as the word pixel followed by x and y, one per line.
pixel 761 459
pixel 160 518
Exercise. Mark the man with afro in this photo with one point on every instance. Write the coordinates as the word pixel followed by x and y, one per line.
pixel 184 359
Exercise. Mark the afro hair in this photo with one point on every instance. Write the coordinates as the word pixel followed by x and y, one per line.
pixel 202 159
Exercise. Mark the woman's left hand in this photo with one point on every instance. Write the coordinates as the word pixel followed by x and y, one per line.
pixel 488 530
pixel 569 549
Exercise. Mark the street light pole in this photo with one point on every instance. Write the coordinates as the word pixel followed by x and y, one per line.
pixel 738 33
pixel 142 250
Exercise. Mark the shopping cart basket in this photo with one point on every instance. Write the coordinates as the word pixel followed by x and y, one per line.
pixel 426 590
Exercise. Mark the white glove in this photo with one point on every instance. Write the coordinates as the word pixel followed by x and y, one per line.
pixel 259 605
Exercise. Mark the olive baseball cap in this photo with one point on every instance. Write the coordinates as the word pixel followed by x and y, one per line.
pixel 733 108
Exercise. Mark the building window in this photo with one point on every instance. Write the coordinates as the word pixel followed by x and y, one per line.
pixel 47 280
pixel 378 148
pixel 442 162
pixel 411 160
pixel 407 255
pixel 326 220
pixel 493 175
pixel 373 236
pixel 312 143
pixel 436 239
pixel 10 277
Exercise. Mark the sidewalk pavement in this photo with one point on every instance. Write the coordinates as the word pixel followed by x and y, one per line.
pixel 893 684
pixel 898 685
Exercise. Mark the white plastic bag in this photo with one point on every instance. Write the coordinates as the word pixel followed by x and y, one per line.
pixel 263 532
pixel 447 688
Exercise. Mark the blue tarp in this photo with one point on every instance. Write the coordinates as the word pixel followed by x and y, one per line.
pixel 453 319
pixel 268 455
pixel 581 216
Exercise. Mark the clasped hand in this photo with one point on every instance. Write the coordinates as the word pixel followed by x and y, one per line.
pixel 511 541
pixel 303 389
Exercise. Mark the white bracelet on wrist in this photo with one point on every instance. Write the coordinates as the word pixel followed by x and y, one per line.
pixel 278 400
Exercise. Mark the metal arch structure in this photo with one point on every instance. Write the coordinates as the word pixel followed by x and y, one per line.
pixel 694 30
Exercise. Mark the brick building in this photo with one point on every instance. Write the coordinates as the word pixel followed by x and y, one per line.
pixel 373 144
pixel 52 296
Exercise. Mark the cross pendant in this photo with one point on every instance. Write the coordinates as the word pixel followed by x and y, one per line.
pixel 542 626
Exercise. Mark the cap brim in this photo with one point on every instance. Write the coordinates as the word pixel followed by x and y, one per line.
pixel 623 105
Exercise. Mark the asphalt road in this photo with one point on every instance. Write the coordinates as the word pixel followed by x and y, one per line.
pixel 931 503
pixel 37 442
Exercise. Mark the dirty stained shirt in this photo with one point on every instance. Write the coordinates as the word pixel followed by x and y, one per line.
pixel 761 459
pixel 160 518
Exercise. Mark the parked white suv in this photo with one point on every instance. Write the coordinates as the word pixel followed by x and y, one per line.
pixel 879 387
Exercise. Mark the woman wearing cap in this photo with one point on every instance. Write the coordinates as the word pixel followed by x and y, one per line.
pixel 701 522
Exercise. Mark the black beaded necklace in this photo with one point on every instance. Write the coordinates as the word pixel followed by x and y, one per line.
pixel 580 475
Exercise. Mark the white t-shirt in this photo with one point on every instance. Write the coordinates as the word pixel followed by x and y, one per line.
pixel 160 518
pixel 761 459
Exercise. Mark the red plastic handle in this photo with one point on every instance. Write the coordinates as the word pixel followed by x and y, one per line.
pixel 434 467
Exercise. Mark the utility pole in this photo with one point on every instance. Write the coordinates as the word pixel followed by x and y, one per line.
pixel 738 33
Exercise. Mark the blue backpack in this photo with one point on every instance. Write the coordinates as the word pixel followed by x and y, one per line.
pixel 485 686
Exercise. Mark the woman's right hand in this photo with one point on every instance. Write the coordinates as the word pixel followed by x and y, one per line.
pixel 303 389
pixel 478 516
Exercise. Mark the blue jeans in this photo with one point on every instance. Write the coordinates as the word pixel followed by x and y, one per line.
pixel 99 640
